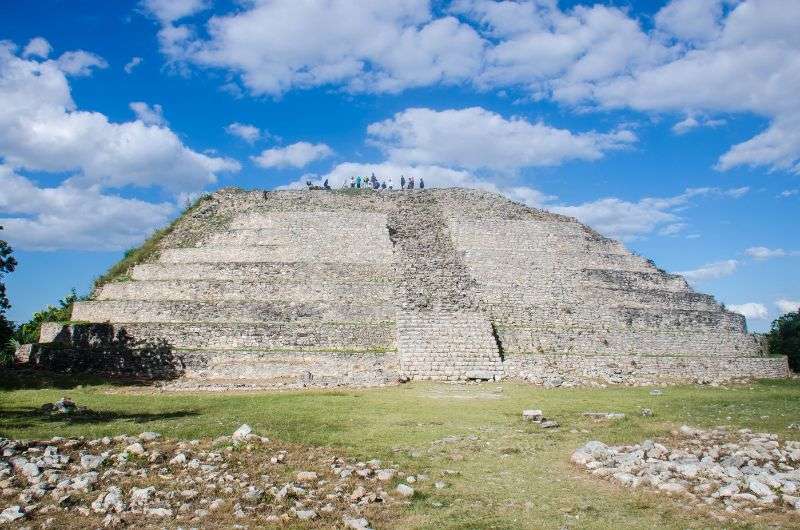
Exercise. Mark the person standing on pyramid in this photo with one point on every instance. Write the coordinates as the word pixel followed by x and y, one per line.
pixel 421 183
pixel 390 183
pixel 352 181
pixel 402 182
pixel 358 182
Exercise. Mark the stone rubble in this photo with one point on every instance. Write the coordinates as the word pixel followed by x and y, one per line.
pixel 128 481
pixel 739 471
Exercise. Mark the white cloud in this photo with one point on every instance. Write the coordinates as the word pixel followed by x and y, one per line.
pixel 297 155
pixel 690 20
pixel 751 310
pixel 71 217
pixel 79 63
pixel 37 47
pixel 133 63
pixel 700 58
pixel 787 306
pixel 789 193
pixel 692 122
pixel 148 115
pixel 172 10
pixel 762 253
pixel 711 271
pixel 627 220
pixel 476 138
pixel 372 46
pixel 42 130
pixel 248 133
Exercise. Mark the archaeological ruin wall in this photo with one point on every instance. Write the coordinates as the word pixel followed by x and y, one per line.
pixel 367 287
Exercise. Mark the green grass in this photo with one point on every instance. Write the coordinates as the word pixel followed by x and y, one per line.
pixel 146 251
pixel 508 474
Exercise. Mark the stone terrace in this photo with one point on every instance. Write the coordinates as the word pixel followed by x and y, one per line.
pixel 365 287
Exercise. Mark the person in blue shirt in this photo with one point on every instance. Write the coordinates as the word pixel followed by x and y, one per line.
pixel 421 183
pixel 358 182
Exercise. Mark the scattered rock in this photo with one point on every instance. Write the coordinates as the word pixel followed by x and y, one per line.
pixel 354 523
pixel 136 449
pixel 647 412
pixel 149 436
pixel 11 514
pixel 549 424
pixel 90 462
pixel 656 392
pixel 404 490
pixel 306 476
pixel 385 475
pixel 306 515
pixel 534 415
pixel 739 470
pixel 241 433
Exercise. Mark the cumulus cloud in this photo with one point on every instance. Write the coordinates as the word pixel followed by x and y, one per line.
pixel 627 220
pixel 787 306
pixel 148 115
pixel 133 63
pixel 282 44
pixel 762 253
pixel 297 155
pixel 711 271
pixel 476 138
pixel 41 129
pixel 751 310
pixel 71 217
pixel 79 63
pixel 692 122
pixel 696 58
pixel 172 10
pixel 789 193
pixel 248 133
pixel 37 47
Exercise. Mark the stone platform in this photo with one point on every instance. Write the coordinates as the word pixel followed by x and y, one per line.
pixel 368 287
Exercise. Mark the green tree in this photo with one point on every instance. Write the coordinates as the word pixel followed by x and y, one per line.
pixel 7 264
pixel 784 338
pixel 29 331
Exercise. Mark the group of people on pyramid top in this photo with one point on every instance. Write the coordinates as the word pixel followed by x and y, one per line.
pixel 373 183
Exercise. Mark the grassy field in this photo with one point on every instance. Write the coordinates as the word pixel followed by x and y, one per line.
pixel 500 471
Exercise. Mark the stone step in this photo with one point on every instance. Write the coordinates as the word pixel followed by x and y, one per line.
pixel 291 367
pixel 293 222
pixel 283 272
pixel 353 310
pixel 352 236
pixel 636 280
pixel 239 290
pixel 617 318
pixel 555 339
pixel 483 263
pixel 275 336
pixel 593 298
pixel 356 256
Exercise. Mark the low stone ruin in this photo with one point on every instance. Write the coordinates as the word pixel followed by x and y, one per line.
pixel 740 471
pixel 141 480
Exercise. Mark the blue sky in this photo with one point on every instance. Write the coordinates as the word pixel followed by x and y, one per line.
pixel 674 126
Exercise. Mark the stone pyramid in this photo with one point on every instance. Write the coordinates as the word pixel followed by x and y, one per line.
pixel 365 287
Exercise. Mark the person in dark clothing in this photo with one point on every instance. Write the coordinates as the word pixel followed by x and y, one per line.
pixel 383 185
pixel 411 183
pixel 325 185
pixel 402 182
pixel 421 183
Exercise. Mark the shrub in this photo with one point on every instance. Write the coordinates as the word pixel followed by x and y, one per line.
pixel 28 332
pixel 784 338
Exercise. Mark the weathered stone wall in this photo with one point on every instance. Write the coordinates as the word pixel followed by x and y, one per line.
pixel 435 284
pixel 631 369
